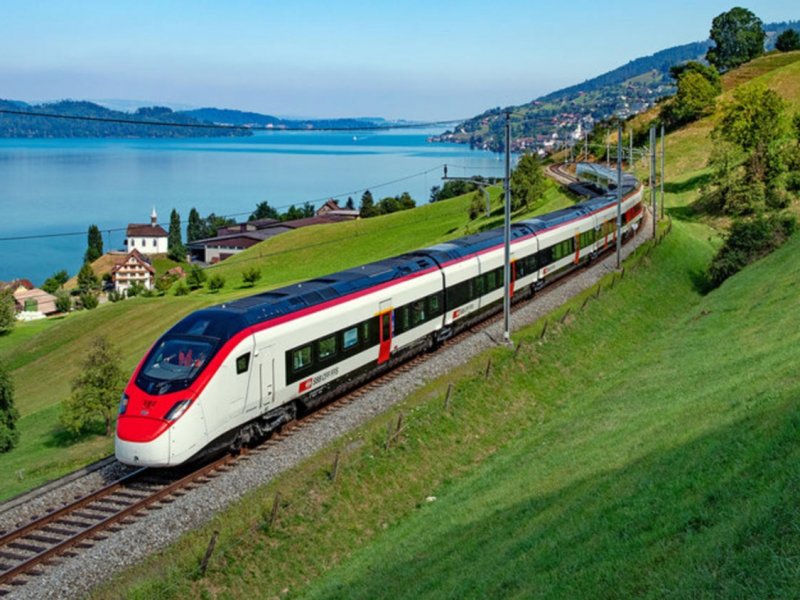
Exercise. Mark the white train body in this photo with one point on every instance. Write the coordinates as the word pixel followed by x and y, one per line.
pixel 226 373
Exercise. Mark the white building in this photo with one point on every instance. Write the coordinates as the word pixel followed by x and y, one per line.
pixel 135 269
pixel 147 239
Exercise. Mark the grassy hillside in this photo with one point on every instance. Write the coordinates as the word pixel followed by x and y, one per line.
pixel 645 448
pixel 44 357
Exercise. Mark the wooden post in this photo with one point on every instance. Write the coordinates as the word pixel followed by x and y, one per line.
pixel 544 330
pixel 209 550
pixel 565 315
pixel 517 349
pixel 586 301
pixel 335 467
pixel 622 273
pixel 488 368
pixel 447 396
pixel 273 516
pixel 399 427
pixel 599 287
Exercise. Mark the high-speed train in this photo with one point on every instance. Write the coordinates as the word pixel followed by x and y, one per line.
pixel 225 375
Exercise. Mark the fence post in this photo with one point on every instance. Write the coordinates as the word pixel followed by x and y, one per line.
pixel 488 368
pixel 447 396
pixel 544 330
pixel 274 514
pixel 209 550
pixel 335 467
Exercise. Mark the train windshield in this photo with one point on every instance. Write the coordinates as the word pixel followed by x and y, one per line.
pixel 174 363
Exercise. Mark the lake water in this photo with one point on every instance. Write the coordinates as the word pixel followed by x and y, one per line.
pixel 61 186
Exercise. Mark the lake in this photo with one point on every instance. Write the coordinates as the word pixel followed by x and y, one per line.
pixel 55 188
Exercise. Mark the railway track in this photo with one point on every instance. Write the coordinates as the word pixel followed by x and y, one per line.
pixel 63 532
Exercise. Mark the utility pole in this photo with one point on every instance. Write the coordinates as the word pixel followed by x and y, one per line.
pixel 630 151
pixel 662 171
pixel 507 240
pixel 653 176
pixel 619 194
pixel 586 145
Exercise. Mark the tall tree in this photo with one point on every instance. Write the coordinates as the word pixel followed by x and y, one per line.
pixel 788 41
pixel 87 280
pixel 308 210
pixel 55 281
pixel 264 211
pixel 175 248
pixel 527 182
pixel 350 205
pixel 738 36
pixel 94 244
pixel 96 390
pixel 8 312
pixel 9 434
pixel 367 208
pixel 194 230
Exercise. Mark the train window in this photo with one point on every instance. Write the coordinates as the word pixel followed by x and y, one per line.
pixel 435 304
pixel 402 319
pixel 369 332
pixel 417 313
pixel 350 338
pixel 242 363
pixel 326 347
pixel 301 358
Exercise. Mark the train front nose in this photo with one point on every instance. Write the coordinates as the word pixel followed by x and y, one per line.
pixel 142 442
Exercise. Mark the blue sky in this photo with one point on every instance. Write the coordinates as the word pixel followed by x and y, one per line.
pixel 400 59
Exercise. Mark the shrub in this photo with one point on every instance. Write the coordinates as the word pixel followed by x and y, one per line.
pixel 89 300
pixel 216 283
pixel 115 296
pixel 181 289
pixel 136 289
pixel 195 278
pixel 63 302
pixel 9 434
pixel 251 275
pixel 747 241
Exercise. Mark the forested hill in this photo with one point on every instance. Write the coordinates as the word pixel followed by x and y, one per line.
pixel 24 126
pixel 624 91
pixel 660 62
pixel 252 119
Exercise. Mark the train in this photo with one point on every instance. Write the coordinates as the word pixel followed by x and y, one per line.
pixel 230 374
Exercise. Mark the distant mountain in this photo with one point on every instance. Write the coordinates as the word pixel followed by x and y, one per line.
pixel 27 126
pixel 251 119
pixel 567 113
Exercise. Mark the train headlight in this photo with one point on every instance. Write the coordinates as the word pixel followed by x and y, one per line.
pixel 123 404
pixel 177 410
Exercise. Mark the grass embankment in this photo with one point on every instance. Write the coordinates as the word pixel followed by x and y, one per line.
pixel 44 356
pixel 647 447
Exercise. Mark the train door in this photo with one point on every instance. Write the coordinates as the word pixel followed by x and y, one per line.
pixel 385 330
pixel 261 390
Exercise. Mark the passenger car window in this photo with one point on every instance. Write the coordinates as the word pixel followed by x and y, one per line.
pixel 301 358
pixel 242 363
pixel 327 347
pixel 350 337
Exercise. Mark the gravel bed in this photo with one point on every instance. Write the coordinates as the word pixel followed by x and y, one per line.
pixel 75 578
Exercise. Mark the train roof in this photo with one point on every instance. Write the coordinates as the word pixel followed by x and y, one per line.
pixel 471 244
pixel 282 301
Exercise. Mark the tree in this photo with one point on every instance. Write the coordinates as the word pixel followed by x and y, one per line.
pixel 788 40
pixel 195 278
pixel 9 434
pixel 263 211
pixel 175 248
pixel 87 280
pixel 94 249
pixel 89 300
pixel 8 312
pixel 696 98
pixel 96 390
pixel 292 214
pixel 63 302
pixel 308 210
pixel 350 205
pixel 756 123
pixel 212 224
pixel 53 283
pixel 738 36
pixel 367 207
pixel 195 228
pixel 216 283
pixel 476 205
pixel 709 73
pixel 527 182
pixel 251 275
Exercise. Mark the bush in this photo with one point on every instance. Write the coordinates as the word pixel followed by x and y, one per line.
pixel 216 283
pixel 9 434
pixel 89 300
pixel 181 289
pixel 115 296
pixel 163 284
pixel 747 241
pixel 195 278
pixel 251 275
pixel 8 312
pixel 476 205
pixel 135 289
pixel 63 302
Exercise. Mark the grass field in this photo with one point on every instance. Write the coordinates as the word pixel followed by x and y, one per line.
pixel 638 456
pixel 45 356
